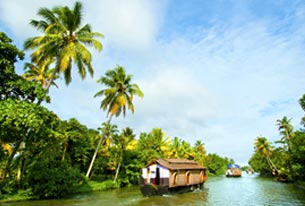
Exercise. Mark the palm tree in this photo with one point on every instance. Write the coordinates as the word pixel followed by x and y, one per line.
pixel 161 143
pixel 107 131
pixel 200 152
pixel 286 130
pixel 117 96
pixel 63 40
pixel 264 147
pixel 175 147
pixel 186 150
pixel 199 147
pixel 119 93
pixel 122 142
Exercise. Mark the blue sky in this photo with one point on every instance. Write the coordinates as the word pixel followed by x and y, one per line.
pixel 218 71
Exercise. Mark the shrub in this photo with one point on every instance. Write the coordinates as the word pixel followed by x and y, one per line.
pixel 52 178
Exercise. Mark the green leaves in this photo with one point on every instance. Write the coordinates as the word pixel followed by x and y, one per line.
pixel 11 84
pixel 63 40
pixel 119 92
pixel 21 116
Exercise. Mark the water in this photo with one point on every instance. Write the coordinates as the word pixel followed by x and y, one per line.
pixel 249 190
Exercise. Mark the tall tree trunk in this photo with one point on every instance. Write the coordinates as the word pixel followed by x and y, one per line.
pixel 272 164
pixel 95 153
pixel 117 172
pixel 94 156
pixel 64 152
pixel 19 171
pixel 119 165
pixel 287 141
pixel 51 80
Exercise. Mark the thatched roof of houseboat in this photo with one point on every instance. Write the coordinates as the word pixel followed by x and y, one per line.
pixel 177 164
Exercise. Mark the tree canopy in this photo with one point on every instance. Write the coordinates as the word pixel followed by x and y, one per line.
pixel 64 41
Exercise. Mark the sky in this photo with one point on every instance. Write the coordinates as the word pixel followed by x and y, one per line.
pixel 217 71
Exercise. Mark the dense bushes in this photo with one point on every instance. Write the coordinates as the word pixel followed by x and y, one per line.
pixel 53 178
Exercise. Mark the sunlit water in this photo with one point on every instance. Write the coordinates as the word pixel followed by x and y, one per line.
pixel 249 190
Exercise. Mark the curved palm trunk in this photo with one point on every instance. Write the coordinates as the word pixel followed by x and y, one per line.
pixel 51 80
pixel 287 140
pixel 94 156
pixel 95 152
pixel 272 164
pixel 117 172
pixel 119 166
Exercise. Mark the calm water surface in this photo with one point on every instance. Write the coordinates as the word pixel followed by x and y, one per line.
pixel 249 190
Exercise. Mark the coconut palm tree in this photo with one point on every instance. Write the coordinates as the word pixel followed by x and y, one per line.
pixel 117 96
pixel 123 141
pixel 107 131
pixel 200 152
pixel 64 40
pixel 119 92
pixel 199 147
pixel 175 147
pixel 161 143
pixel 286 130
pixel 264 147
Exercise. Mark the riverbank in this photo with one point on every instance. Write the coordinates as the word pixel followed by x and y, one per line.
pixel 90 186
pixel 251 190
pixel 214 182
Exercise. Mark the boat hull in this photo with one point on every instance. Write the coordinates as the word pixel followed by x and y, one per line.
pixel 233 175
pixel 153 190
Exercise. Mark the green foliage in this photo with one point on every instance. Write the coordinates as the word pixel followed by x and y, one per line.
pixel 77 143
pixel 119 92
pixel 131 168
pixel 20 117
pixel 298 155
pixel 23 125
pixel 153 145
pixel 259 164
pixel 50 177
pixel 92 185
pixel 11 84
pixel 8 186
pixel 217 165
pixel 288 158
pixel 64 41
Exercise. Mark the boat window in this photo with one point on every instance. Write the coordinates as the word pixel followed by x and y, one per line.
pixel 175 178
pixel 188 177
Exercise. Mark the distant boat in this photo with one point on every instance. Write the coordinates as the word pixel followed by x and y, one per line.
pixel 167 176
pixel 233 170
pixel 250 171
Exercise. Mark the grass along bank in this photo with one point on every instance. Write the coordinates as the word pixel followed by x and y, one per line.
pixel 89 186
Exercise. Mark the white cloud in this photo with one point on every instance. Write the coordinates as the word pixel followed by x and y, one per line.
pixel 16 14
pixel 129 24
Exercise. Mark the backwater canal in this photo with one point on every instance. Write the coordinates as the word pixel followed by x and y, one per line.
pixel 249 190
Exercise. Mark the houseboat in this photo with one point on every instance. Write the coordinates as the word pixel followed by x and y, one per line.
pixel 233 170
pixel 170 176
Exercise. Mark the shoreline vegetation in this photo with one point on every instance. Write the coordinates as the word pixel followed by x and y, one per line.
pixel 89 187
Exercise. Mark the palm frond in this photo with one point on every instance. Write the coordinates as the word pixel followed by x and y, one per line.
pixel 67 74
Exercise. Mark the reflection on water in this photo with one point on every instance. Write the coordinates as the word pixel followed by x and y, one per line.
pixel 249 190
